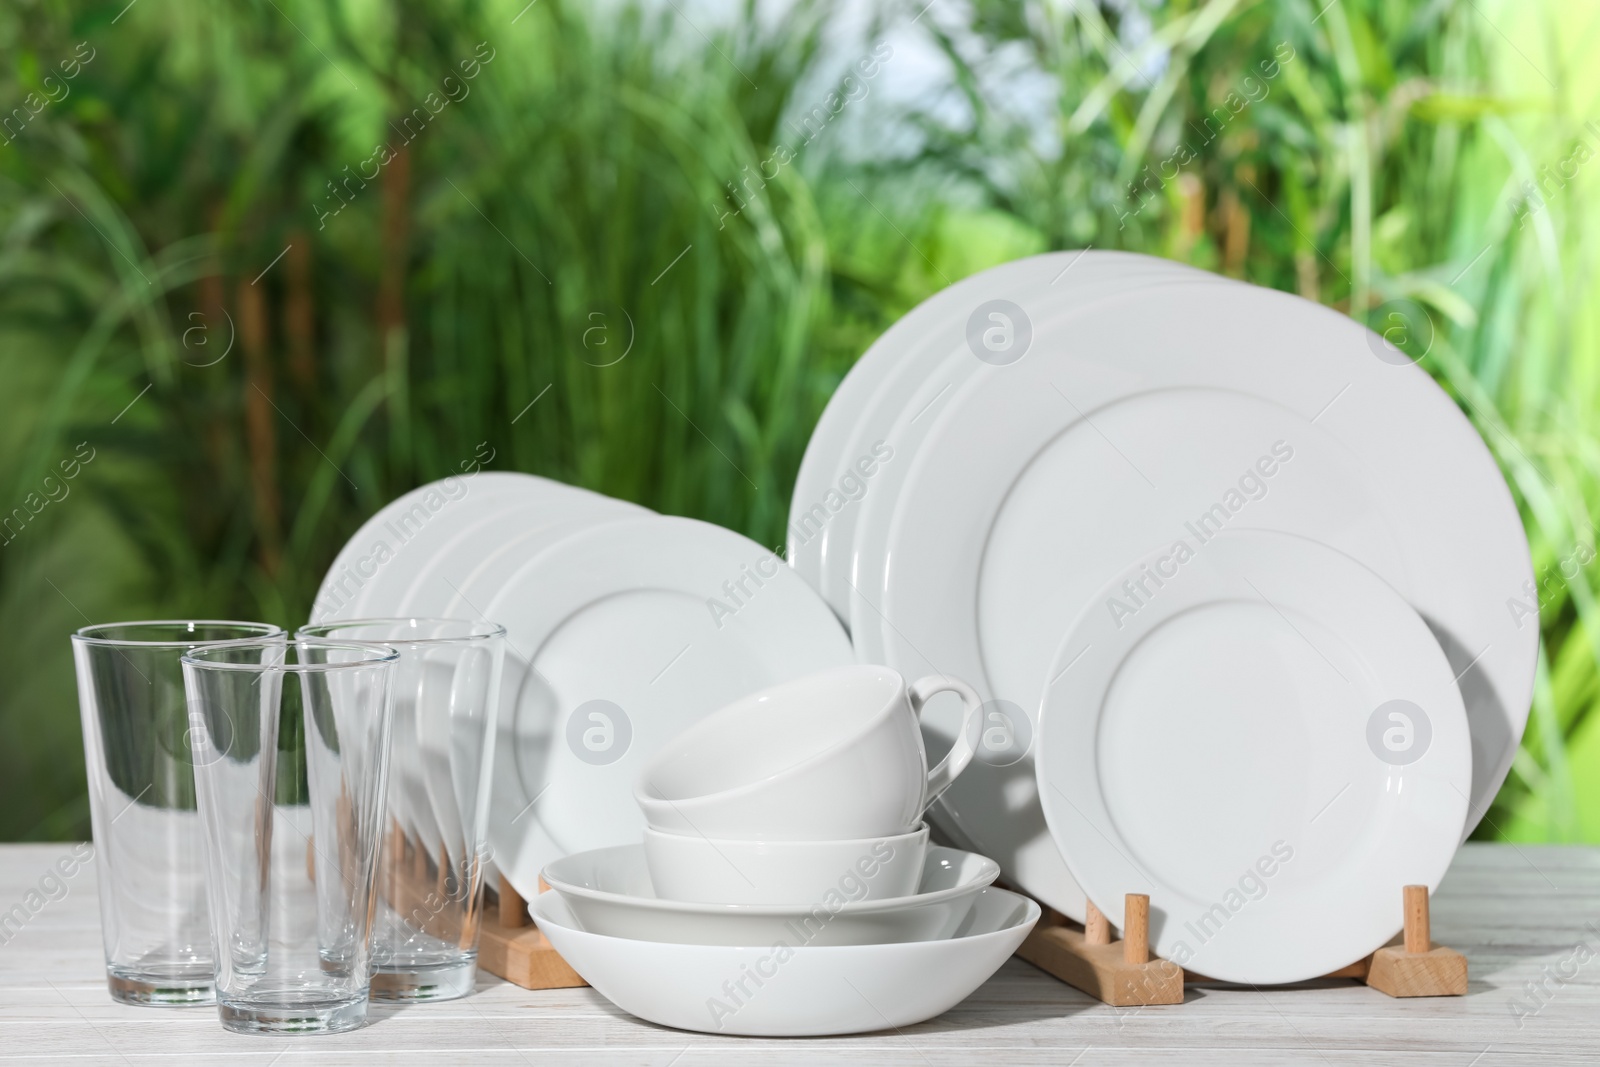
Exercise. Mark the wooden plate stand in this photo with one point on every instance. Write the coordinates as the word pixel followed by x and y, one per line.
pixel 1124 974
pixel 511 947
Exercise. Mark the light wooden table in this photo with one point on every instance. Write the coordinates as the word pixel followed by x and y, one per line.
pixel 1525 917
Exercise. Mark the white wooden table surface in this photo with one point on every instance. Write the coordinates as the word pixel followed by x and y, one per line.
pixel 1528 918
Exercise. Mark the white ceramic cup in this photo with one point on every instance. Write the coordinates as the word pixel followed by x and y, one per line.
pixel 707 871
pixel 833 756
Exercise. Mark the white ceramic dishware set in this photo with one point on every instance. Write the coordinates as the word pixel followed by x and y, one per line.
pixel 1224 574
pixel 784 865
pixel 1230 572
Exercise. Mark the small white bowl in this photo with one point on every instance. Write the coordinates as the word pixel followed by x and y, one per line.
pixel 791 989
pixel 783 872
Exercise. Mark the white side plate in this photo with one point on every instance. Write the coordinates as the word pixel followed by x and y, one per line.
pixel 1265 738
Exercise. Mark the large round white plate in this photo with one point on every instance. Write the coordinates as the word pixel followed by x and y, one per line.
pixel 906 404
pixel 1264 737
pixel 1127 420
pixel 609 892
pixel 619 637
pixel 373 553
pixel 800 990
pixel 852 437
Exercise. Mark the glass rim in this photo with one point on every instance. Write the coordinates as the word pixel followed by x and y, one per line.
pixel 251 632
pixel 322 630
pixel 378 655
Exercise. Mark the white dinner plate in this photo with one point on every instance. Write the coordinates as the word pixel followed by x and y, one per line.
pixel 788 988
pixel 618 637
pixel 1128 419
pixel 374 552
pixel 1263 736
pixel 855 433
pixel 609 892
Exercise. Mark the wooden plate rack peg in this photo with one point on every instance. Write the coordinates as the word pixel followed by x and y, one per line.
pixel 511 947
pixel 1124 974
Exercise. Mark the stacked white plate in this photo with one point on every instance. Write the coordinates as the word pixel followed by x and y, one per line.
pixel 1231 572
pixel 621 631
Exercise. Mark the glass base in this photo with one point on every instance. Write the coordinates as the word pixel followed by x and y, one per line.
pixel 173 988
pixel 438 981
pixel 303 1014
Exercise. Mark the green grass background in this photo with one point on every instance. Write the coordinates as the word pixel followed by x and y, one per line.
pixel 164 155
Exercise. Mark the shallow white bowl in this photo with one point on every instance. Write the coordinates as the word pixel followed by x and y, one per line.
pixel 793 990
pixel 783 872
pixel 609 892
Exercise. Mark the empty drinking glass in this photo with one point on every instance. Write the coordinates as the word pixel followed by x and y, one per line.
pixel 153 914
pixel 446 696
pixel 291 749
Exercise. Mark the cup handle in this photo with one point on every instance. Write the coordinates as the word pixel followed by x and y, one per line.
pixel 961 752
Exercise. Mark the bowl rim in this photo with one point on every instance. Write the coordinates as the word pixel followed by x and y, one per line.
pixel 983 875
pixel 1032 913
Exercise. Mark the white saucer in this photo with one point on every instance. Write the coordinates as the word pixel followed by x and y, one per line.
pixel 793 990
pixel 1264 737
pixel 618 637
pixel 608 891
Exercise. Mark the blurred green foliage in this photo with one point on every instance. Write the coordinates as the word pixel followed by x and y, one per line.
pixel 271 263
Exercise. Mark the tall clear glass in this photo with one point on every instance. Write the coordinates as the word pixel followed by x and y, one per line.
pixel 446 698
pixel 291 755
pixel 153 914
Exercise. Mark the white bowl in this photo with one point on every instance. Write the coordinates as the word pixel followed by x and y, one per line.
pixel 783 872
pixel 792 990
pixel 609 892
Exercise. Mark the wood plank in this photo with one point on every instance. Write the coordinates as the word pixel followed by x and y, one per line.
pixel 1526 918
